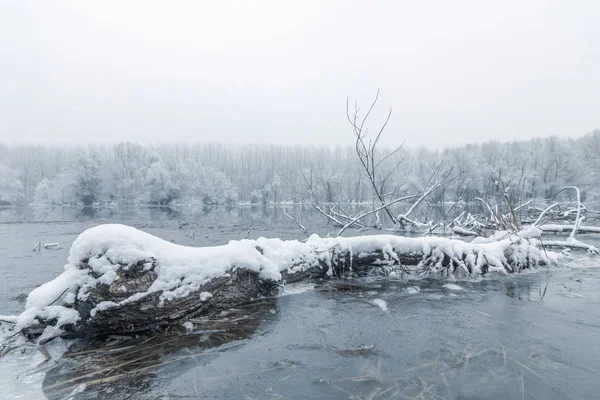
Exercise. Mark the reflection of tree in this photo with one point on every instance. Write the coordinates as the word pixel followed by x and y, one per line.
pixel 518 290
pixel 87 212
pixel 132 367
pixel 163 213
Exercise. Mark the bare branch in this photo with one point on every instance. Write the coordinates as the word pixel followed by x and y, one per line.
pixel 578 217
pixel 539 219
pixel 297 219
pixel 360 216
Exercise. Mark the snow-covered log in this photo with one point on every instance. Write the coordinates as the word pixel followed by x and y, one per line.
pixel 572 244
pixel 463 232
pixel 557 228
pixel 121 280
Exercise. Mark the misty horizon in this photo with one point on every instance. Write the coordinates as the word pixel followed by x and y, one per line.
pixel 349 142
pixel 216 174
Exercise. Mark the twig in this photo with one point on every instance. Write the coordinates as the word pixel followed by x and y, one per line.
pixel 537 221
pixel 61 295
pixel 373 211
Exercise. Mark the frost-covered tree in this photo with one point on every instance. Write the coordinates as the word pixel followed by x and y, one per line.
pixel 59 190
pixel 163 185
pixel 80 184
pixel 88 178
pixel 213 173
pixel 12 190
pixel 125 173
pixel 207 186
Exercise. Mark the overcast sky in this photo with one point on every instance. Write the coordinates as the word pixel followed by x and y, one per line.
pixel 280 71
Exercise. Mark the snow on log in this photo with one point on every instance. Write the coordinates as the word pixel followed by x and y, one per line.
pixel 120 280
pixel 574 244
pixel 464 232
pixel 555 228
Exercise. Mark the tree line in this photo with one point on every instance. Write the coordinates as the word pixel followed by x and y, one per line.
pixel 213 173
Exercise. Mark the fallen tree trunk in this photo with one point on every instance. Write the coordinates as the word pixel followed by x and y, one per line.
pixel 572 244
pixel 556 228
pixel 121 280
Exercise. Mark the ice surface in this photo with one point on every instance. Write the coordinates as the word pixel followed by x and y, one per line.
pixel 23 370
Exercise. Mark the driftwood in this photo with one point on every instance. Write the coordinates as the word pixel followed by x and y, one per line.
pixel 146 315
pixel 555 228
pixel 135 307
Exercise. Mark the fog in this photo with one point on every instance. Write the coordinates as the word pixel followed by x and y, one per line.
pixel 280 72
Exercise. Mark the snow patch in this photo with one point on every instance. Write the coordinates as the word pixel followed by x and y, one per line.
pixel 380 303
pixel 452 286
pixel 205 296
pixel 296 288
pixel 62 315
pixel 530 232
pixel 413 289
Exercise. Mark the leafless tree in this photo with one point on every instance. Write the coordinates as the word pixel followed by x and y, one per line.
pixel 379 168
pixel 366 146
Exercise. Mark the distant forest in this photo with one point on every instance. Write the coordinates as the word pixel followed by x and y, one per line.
pixel 213 173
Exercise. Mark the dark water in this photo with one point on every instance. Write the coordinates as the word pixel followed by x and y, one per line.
pixel 496 339
pixel 532 336
pixel 263 215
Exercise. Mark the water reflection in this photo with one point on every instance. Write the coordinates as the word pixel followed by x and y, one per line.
pixel 122 367
pixel 87 212
pixel 267 214
pixel 520 290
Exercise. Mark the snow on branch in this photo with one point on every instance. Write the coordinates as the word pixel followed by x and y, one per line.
pixel 438 178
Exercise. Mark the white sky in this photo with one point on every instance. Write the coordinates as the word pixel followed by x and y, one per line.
pixel 280 71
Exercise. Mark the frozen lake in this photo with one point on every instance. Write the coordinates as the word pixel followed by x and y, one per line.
pixel 531 336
